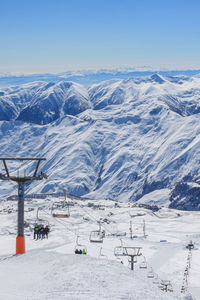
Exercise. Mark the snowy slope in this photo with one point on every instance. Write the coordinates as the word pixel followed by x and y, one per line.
pixel 42 103
pixel 49 275
pixel 119 139
pixel 51 270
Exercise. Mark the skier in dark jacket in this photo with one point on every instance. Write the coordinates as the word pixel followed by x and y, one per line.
pixel 42 232
pixel 46 231
pixel 39 233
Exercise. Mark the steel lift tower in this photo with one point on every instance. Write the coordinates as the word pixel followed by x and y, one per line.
pixel 20 239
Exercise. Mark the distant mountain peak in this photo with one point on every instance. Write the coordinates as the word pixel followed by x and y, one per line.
pixel 157 78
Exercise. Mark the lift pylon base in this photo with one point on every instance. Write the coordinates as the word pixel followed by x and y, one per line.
pixel 20 245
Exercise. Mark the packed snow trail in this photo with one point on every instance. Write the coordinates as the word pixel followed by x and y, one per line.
pixel 51 275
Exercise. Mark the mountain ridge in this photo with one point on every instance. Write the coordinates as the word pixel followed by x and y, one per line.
pixel 88 77
pixel 121 140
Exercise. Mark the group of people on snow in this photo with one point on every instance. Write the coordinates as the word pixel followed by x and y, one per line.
pixel 79 251
pixel 41 231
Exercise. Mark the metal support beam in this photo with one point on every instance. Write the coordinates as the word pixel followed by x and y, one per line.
pixel 132 263
pixel 131 230
pixel 20 219
pixel 36 169
pixel 5 166
pixel 22 158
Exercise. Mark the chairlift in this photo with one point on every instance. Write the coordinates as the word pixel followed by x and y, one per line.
pixel 166 286
pixel 119 251
pixel 96 236
pixel 40 220
pixel 156 280
pixel 80 249
pixel 121 234
pixel 190 246
pixel 143 264
pixel 170 288
pixel 60 210
pixel 150 274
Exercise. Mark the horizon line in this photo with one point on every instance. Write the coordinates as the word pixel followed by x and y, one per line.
pixel 98 70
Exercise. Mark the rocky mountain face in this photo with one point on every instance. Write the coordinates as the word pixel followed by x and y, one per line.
pixel 119 139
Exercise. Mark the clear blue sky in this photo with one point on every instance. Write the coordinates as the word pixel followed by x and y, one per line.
pixel 54 36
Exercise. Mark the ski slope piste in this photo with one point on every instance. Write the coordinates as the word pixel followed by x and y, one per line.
pixel 50 269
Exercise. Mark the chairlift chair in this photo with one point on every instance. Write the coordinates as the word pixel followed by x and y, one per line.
pixel 190 246
pixel 166 286
pixel 143 264
pixel 96 236
pixel 119 251
pixel 170 289
pixel 150 274
pixel 156 280
pixel 80 247
pixel 40 220
pixel 60 210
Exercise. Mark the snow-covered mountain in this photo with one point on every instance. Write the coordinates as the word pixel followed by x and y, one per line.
pixel 119 139
pixel 42 102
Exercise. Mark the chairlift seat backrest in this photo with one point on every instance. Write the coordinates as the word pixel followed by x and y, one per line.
pixel 80 246
pixel 143 265
pixel 156 280
pixel 96 236
pixel 150 274
pixel 60 210
pixel 119 251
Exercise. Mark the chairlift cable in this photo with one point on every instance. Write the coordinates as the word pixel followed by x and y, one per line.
pixel 75 233
pixel 96 221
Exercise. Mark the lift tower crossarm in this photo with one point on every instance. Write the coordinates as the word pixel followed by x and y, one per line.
pixel 22 158
pixel 25 178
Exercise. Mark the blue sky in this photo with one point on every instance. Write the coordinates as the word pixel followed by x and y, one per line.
pixel 55 36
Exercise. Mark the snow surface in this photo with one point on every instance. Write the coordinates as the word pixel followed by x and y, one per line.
pixel 51 270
